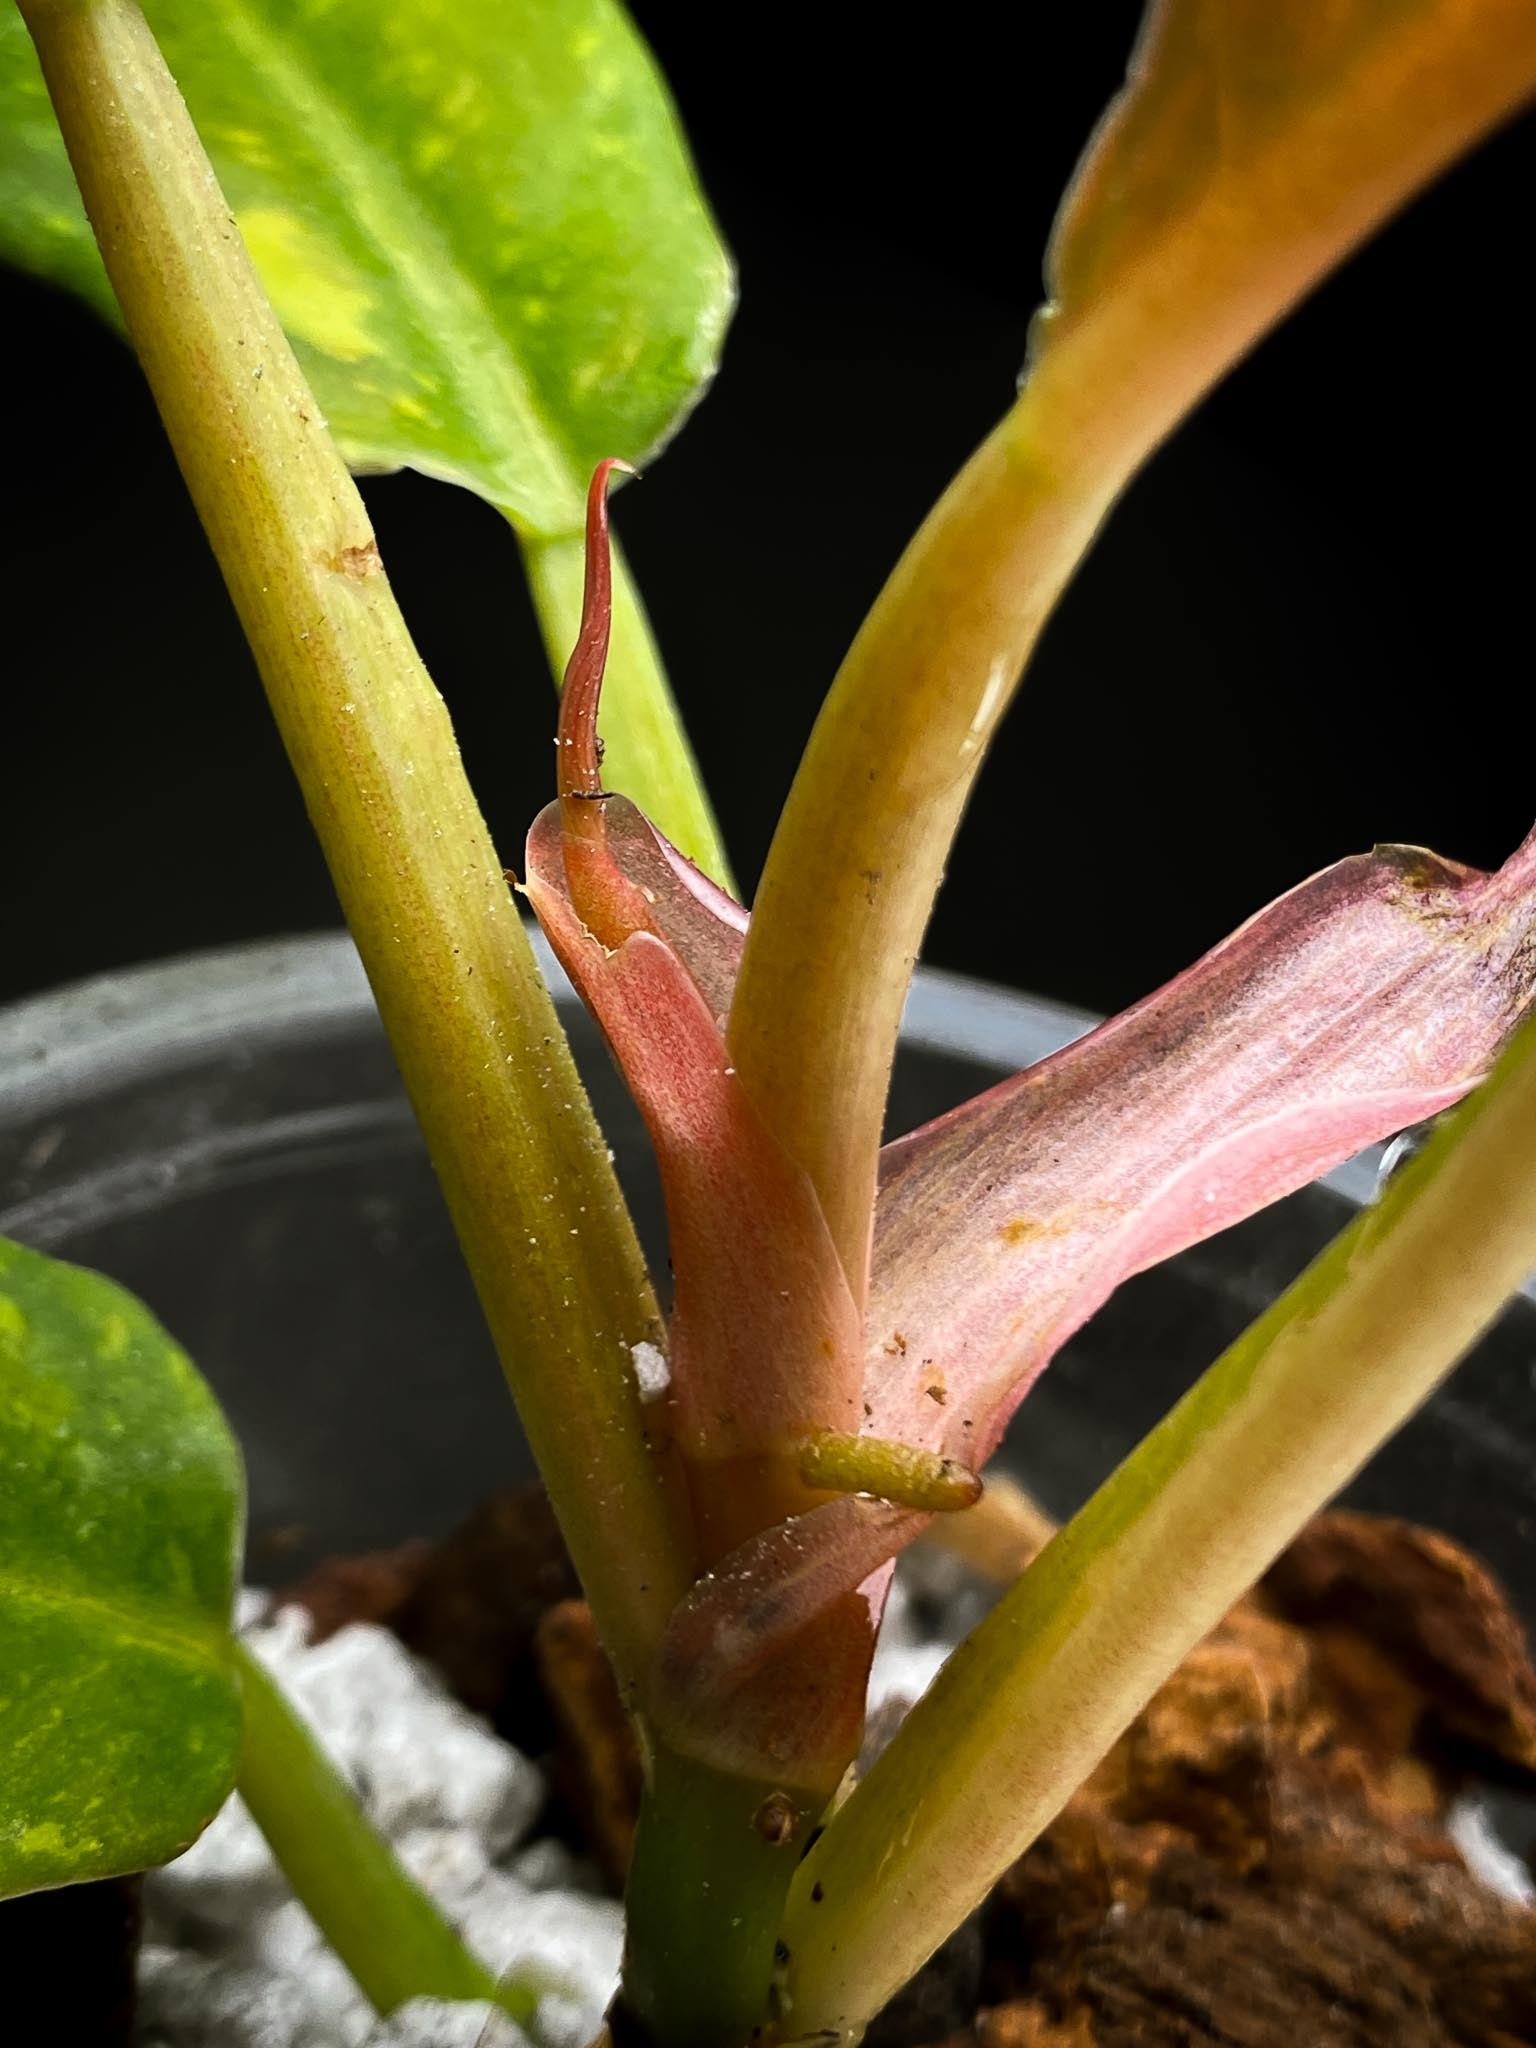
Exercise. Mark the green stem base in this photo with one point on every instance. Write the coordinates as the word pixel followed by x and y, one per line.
pixel 714 1856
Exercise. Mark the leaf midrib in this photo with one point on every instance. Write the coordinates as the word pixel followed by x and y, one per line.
pixel 446 298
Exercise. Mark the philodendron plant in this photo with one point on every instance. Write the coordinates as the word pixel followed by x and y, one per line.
pixel 479 230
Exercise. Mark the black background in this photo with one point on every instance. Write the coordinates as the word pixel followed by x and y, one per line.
pixel 1305 629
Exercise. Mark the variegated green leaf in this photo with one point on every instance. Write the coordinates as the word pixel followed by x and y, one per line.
pixel 476 220
pixel 121 1500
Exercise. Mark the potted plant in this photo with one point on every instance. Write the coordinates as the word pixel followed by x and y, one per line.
pixel 850 1329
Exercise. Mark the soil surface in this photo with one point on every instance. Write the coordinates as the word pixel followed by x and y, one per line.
pixel 1280 1853
pixel 1275 1855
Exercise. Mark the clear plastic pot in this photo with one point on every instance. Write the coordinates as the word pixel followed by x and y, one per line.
pixel 226 1134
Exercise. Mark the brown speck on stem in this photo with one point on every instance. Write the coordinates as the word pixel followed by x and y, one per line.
pixel 358 562
pixel 777 1819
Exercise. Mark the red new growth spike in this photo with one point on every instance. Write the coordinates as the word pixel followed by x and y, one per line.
pixel 579 760
pixel 607 903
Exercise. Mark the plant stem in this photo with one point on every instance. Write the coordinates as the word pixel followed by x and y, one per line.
pixel 1233 172
pixel 646 752
pixel 1039 1692
pixel 376 1917
pixel 522 1163
pixel 863 838
pixel 703 1905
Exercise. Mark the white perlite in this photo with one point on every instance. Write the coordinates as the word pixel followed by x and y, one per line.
pixel 231 1960
pixel 651 1370
pixel 434 2023
pixel 934 1600
pixel 1471 1829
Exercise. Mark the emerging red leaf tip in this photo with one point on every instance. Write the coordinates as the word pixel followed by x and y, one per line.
pixel 580 755
pixel 607 903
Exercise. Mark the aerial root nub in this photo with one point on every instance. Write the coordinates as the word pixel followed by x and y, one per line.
pixel 899 1473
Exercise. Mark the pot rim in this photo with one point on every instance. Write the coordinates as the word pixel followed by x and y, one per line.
pixel 111 1027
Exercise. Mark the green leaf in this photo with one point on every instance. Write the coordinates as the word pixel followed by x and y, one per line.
pixel 479 226
pixel 477 222
pixel 121 1509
